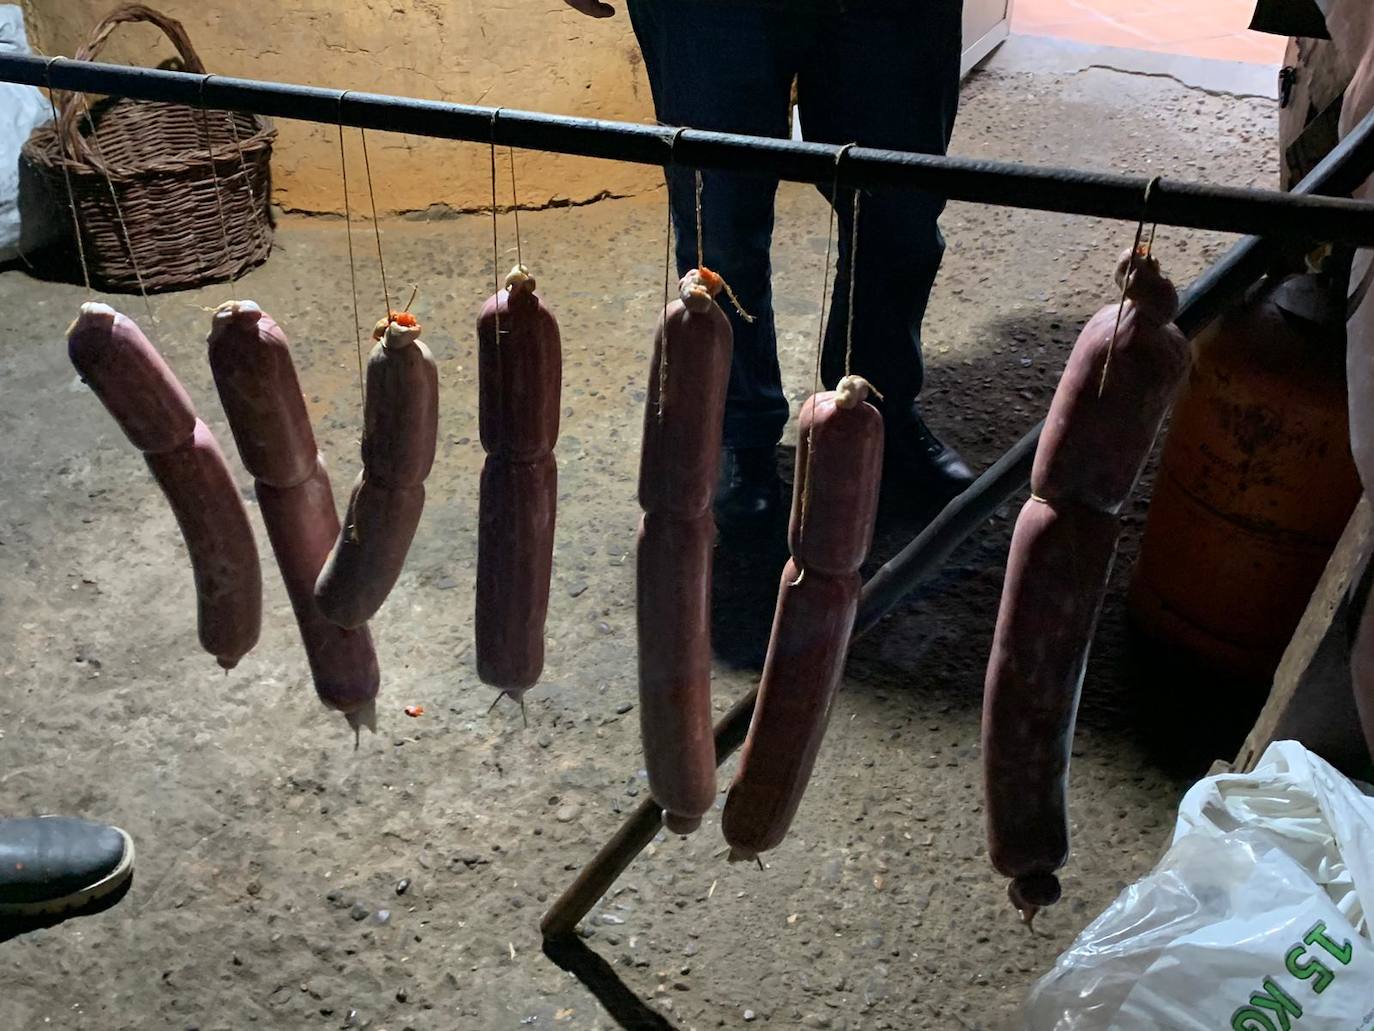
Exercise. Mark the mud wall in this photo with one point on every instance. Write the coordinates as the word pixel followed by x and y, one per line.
pixel 512 53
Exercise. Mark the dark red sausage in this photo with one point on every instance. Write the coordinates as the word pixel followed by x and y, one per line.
pixel 1087 461
pixel 679 464
pixel 251 362
pixel 1093 447
pixel 257 384
pixel 673 610
pixel 840 454
pixel 519 380
pixel 1061 556
pixel 519 386
pixel 154 411
pixel 214 523
pixel 131 379
pixel 400 429
pixel 514 562
pixel 302 524
pixel 801 675
pixel 680 459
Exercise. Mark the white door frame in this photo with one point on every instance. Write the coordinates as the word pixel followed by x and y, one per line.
pixel 978 50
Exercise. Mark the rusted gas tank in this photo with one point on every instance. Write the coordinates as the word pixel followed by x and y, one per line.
pixel 1255 484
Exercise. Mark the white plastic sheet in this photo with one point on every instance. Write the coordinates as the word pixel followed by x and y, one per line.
pixel 1256 919
pixel 22 109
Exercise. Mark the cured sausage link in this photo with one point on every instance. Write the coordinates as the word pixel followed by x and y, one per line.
pixel 1125 368
pixel 1352 33
pixel 134 383
pixel 514 564
pixel 400 430
pixel 673 619
pixel 256 379
pixel 679 462
pixel 302 524
pixel 519 385
pixel 834 505
pixel 1061 557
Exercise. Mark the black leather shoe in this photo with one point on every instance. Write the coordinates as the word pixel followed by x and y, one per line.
pixel 921 473
pixel 55 864
pixel 749 494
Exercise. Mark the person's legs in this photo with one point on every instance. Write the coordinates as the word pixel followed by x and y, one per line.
pixel 887 80
pixel 728 68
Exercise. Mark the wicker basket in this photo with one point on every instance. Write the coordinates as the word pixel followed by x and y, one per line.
pixel 192 187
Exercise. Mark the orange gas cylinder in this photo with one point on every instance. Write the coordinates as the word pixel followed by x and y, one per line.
pixel 1255 484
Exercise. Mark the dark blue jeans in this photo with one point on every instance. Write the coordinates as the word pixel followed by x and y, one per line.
pixel 879 79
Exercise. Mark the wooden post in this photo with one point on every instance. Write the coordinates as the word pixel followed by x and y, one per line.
pixel 1312 701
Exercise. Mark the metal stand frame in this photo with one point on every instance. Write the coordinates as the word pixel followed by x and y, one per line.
pixel 1312 212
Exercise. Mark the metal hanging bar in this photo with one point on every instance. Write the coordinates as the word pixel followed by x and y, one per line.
pixel 1339 172
pixel 1070 191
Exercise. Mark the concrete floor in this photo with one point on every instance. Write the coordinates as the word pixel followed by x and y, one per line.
pixel 269 848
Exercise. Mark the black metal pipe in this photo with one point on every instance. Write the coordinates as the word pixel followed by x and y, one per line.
pixel 1070 191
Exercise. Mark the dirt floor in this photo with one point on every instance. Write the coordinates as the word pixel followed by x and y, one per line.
pixel 270 851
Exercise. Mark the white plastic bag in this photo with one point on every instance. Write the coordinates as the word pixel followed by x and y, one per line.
pixel 22 109
pixel 1256 919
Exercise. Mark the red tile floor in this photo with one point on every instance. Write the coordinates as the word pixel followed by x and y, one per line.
pixel 1198 28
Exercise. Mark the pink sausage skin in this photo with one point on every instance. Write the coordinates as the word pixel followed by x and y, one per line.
pixel 519 387
pixel 131 379
pixel 137 387
pixel 400 431
pixel 840 453
pixel 519 378
pixel 680 459
pixel 370 553
pixel 840 456
pixel 302 524
pixel 1097 438
pixel 1352 32
pixel 518 505
pixel 1092 448
pixel 673 612
pixel 196 481
pixel 1061 556
pixel 810 640
pixel 256 380
pixel 678 469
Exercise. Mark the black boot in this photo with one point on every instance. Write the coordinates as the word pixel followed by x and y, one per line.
pixel 749 495
pixel 920 472
pixel 57 864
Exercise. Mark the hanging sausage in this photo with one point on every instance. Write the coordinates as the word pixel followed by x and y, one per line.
pixel 519 383
pixel 1352 31
pixel 679 462
pixel 134 383
pixel 400 430
pixel 834 504
pixel 256 380
pixel 1123 372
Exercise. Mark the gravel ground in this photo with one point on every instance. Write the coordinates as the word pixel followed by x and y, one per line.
pixel 271 852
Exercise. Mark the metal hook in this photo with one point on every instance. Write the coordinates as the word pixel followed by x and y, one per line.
pixel 672 144
pixel 1144 215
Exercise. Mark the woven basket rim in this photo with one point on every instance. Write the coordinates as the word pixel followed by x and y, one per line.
pixel 43 149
